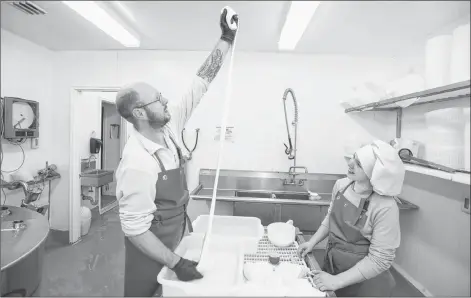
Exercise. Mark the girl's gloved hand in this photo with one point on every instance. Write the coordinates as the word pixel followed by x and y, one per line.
pixel 229 23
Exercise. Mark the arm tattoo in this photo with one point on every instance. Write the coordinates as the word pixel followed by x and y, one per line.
pixel 211 66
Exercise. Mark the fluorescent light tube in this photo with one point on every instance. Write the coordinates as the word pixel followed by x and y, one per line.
pixel 100 18
pixel 299 16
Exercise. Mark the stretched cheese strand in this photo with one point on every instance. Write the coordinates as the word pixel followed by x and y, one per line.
pixel 207 238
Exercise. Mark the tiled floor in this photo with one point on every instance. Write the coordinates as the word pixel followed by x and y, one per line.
pixel 95 265
pixel 92 267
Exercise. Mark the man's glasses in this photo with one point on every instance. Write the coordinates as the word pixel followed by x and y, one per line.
pixel 159 98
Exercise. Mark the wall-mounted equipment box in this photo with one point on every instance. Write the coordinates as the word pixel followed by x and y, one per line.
pixel 21 119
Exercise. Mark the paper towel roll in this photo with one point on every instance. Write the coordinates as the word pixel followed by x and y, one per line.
pixel 437 61
pixel 467 151
pixel 449 156
pixel 460 54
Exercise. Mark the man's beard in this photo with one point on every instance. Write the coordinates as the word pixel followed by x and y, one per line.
pixel 156 121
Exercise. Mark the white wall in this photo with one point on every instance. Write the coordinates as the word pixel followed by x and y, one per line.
pixel 435 244
pixel 26 72
pixel 256 109
pixel 319 82
pixel 259 80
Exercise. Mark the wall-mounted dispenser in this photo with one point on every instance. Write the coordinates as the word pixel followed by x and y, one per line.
pixel 95 145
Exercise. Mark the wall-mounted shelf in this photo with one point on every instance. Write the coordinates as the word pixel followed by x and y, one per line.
pixel 439 94
pixel 457 177
pixel 435 95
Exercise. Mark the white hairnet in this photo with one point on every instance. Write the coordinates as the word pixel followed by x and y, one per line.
pixel 383 166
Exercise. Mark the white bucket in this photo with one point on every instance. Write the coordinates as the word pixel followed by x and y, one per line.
pixel 243 229
pixel 86 220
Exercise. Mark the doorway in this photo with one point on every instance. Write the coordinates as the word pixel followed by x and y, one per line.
pixel 111 127
pixel 87 114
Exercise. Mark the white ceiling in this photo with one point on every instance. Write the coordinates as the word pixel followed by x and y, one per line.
pixel 380 28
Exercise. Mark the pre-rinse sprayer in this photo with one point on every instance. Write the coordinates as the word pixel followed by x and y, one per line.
pixel 291 151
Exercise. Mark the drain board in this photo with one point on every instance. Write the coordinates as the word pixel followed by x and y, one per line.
pixel 287 254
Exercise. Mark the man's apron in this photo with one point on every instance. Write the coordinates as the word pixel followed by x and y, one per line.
pixel 347 246
pixel 169 224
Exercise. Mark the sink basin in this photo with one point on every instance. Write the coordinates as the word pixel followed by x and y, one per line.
pixel 96 177
pixel 278 195
pixel 96 172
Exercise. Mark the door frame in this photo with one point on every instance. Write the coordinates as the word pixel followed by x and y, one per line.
pixel 74 158
pixel 122 137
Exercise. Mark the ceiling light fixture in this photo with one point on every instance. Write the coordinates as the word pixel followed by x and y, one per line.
pixel 100 18
pixel 299 16
pixel 124 10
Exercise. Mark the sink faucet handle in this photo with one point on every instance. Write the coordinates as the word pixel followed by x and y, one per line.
pixel 293 169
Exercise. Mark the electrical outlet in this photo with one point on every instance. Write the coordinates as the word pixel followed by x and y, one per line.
pixel 465 206
pixel 34 143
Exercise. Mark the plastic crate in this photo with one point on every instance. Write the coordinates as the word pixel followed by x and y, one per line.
pixel 222 282
pixel 235 229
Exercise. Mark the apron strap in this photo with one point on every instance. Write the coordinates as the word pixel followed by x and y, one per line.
pixel 179 150
pixel 345 189
pixel 363 207
pixel 186 222
pixel 161 164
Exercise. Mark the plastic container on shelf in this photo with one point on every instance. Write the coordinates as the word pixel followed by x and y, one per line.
pixel 466 138
pixel 437 61
pixel 86 219
pixel 440 136
pixel 460 54
pixel 248 230
pixel 446 117
pixel 449 156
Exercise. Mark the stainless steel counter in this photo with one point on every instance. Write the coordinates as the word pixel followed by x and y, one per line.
pixel 233 195
pixel 266 195
pixel 22 250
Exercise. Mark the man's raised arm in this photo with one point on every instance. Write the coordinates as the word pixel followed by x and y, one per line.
pixel 208 71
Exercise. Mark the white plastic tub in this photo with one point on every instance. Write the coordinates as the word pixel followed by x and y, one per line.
pixel 85 220
pixel 223 276
pixel 234 229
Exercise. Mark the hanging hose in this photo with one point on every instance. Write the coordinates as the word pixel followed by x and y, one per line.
pixel 190 152
pixel 290 151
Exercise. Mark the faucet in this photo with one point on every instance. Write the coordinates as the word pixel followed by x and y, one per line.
pixel 90 160
pixel 23 185
pixel 26 202
pixel 292 174
pixel 291 152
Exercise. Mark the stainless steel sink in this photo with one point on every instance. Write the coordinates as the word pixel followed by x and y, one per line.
pixel 273 195
pixel 96 172
pixel 96 177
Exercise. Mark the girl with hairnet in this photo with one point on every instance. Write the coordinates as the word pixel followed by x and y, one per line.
pixel 362 225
